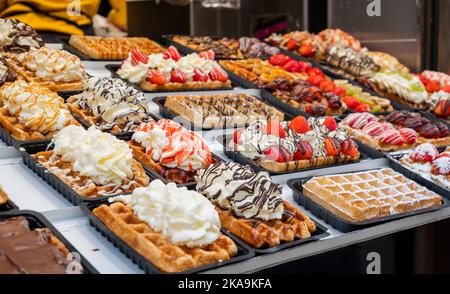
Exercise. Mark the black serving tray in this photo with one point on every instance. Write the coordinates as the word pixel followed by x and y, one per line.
pixel 344 225
pixel 38 221
pixel 170 114
pixel 8 206
pixel 11 141
pixel 394 159
pixel 113 68
pixel 65 190
pixel 238 157
pixel 244 251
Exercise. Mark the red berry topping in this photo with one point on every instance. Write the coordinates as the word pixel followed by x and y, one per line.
pixel 300 125
pixel 200 75
pixel 155 76
pixel 332 146
pixel 441 166
pixel 392 137
pixel 374 128
pixel 274 128
pixel 429 131
pixel 277 154
pixel 349 148
pixel 330 123
pixel 138 57
pixel 409 135
pixel 292 66
pixel 237 136
pixel 327 86
pixel 307 50
pixel 425 153
pixel 218 74
pixel 315 72
pixel 340 91
pixel 291 45
pixel 207 55
pixel 279 59
pixel 363 108
pixel 177 76
pixel 359 120
pixel 172 53
pixel 432 87
pixel 351 102
pixel 304 151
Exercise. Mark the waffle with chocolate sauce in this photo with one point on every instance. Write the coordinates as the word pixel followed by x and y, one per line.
pixel 287 87
pixel 83 185
pixel 222 110
pixel 222 47
pixel 113 48
pixel 155 247
pixel 26 251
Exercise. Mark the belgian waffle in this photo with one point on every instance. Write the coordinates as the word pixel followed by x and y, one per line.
pixel 112 48
pixel 146 86
pixel 3 196
pixel 222 47
pixel 175 175
pixel 257 233
pixel 367 195
pixel 166 256
pixel 85 186
pixel 210 111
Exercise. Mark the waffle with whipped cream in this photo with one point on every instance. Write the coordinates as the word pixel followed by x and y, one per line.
pixel 251 206
pixel 57 70
pixel 110 104
pixel 170 150
pixel 112 48
pixel 295 145
pixel 18 37
pixel 92 163
pixel 369 195
pixel 221 110
pixel 29 111
pixel 175 229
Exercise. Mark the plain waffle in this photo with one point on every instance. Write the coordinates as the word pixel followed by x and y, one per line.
pixel 293 225
pixel 85 186
pixel 166 256
pixel 368 195
pixel 116 48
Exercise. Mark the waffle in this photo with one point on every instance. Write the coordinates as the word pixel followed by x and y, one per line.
pixel 85 186
pixel 14 63
pixel 222 47
pixel 369 195
pixel 257 233
pixel 166 256
pixel 146 86
pixel 3 196
pixel 112 48
pixel 210 111
pixel 175 175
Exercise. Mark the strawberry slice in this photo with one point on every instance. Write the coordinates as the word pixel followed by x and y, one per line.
pixel 138 57
pixel 425 153
pixel 207 54
pixel 300 125
pixel 236 137
pixel 172 53
pixel 279 59
pixel 330 123
pixel 277 154
pixel 274 128
pixel 218 74
pixel 200 75
pixel 292 44
pixel 155 76
pixel 292 66
pixel 177 76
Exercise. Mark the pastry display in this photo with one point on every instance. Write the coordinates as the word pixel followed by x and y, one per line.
pixel 368 195
pixel 435 81
pixel 17 37
pixel 351 63
pixel 402 87
pixel 29 111
pixel 173 228
pixel 3 196
pixel 93 163
pixel 221 110
pixel 112 48
pixel 110 104
pixel 169 71
pixel 6 74
pixel 57 70
pixel 291 85
pixel 295 145
pixel 397 131
pixel 27 251
pixel 250 205
pixel 170 150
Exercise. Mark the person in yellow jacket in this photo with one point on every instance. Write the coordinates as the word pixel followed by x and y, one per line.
pixel 71 17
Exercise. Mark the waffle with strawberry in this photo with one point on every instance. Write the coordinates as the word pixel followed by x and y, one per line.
pixel 169 71
pixel 293 82
pixel 296 145
pixel 427 161
pixel 399 130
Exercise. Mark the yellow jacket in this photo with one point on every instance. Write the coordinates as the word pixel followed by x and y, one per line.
pixel 62 16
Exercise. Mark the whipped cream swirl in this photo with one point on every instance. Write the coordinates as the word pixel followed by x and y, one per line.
pixel 17 36
pixel 184 217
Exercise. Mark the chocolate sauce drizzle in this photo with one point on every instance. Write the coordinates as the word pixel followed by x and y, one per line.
pixel 21 30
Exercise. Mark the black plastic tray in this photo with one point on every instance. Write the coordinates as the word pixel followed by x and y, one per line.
pixel 238 157
pixel 38 221
pixel 170 114
pixel 113 68
pixel 394 159
pixel 344 225
pixel 65 190
pixel 8 206
pixel 11 141
pixel 244 252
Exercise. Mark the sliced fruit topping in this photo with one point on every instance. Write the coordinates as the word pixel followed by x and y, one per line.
pixel 443 108
pixel 363 108
pixel 155 76
pixel 292 66
pixel 441 166
pixel 392 137
pixel 398 117
pixel 349 148
pixel 340 91
pixel 275 128
pixel 279 59
pixel 359 120
pixel 332 146
pixel 172 53
pixel 374 129
pixel 432 87
pixel 351 102
pixel 218 74
pixel 138 57
pixel 409 135
pixel 334 101
pixel 237 136
pixel 277 154
pixel 200 75
pixel 304 151
pixel 443 129
pixel 429 131
pixel 307 50
pixel 177 76
pixel 300 125
pixel 316 72
pixel 330 123
pixel 327 86
pixel 207 55
pixel 292 45
pixel 425 153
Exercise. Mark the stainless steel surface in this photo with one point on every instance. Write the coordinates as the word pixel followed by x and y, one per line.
pixel 398 30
